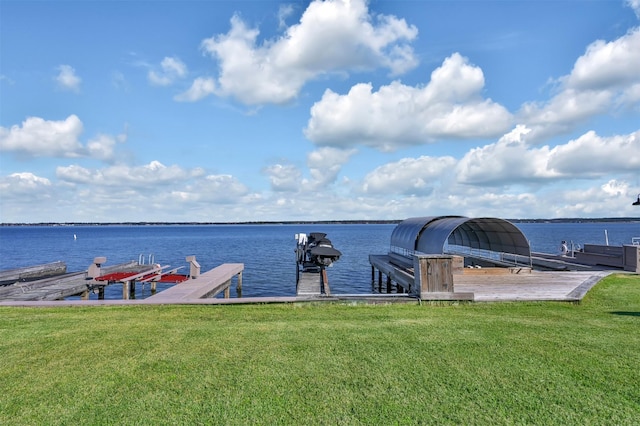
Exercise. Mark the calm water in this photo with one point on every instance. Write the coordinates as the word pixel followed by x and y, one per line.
pixel 266 250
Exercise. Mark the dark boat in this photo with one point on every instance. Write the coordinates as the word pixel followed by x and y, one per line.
pixel 316 250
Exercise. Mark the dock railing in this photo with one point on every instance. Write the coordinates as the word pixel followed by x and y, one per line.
pixel 510 259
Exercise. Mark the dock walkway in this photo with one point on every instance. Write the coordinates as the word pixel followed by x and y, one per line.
pixel 206 285
pixel 309 284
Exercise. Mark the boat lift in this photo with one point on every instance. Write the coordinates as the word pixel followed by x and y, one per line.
pixel 314 253
pixel 153 275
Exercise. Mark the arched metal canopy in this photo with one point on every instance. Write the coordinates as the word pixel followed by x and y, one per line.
pixel 435 234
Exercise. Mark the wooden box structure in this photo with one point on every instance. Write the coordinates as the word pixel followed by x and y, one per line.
pixel 433 277
pixel 433 273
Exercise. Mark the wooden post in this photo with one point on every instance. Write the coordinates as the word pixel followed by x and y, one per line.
pixel 125 290
pixel 85 295
pixel 239 284
pixel 227 290
pixel 325 281
pixel 132 289
pixel 388 284
pixel 101 292
pixel 154 285
pixel 379 281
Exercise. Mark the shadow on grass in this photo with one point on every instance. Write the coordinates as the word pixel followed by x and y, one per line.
pixel 626 313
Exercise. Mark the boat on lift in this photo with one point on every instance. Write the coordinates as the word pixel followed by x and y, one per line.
pixel 316 250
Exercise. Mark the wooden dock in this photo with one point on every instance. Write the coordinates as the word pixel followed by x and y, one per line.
pixel 32 273
pixel 493 284
pixel 565 286
pixel 206 285
pixel 312 284
pixel 57 287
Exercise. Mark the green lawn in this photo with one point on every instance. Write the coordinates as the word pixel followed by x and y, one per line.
pixel 482 363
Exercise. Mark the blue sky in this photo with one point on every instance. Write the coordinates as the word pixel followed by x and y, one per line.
pixel 325 110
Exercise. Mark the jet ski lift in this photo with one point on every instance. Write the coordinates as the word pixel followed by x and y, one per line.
pixel 314 253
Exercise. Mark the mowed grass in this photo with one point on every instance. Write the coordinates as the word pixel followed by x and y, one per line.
pixel 483 363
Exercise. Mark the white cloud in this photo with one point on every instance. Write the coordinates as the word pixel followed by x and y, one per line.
pixel 50 138
pixel 201 88
pixel 21 183
pixel 284 177
pixel 149 175
pixel 152 190
pixel 409 176
pixel 507 161
pixel 67 78
pixel 608 65
pixel 601 200
pixel 604 78
pixel 43 138
pixel 172 69
pixel 450 106
pixel 564 111
pixel 284 12
pixel 511 160
pixel 221 189
pixel 635 5
pixel 332 36
pixel 325 165
pixel 592 155
pixel 103 146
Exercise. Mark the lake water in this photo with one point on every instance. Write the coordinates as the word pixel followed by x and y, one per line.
pixel 266 250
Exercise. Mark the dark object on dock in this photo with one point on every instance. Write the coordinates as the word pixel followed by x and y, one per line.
pixel 314 253
pixel 319 250
pixel 32 273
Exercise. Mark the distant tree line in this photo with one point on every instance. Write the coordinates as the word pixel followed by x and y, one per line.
pixel 312 222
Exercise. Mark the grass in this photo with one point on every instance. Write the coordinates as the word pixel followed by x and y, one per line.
pixel 493 363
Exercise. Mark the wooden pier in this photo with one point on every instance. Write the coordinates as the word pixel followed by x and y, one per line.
pixel 60 286
pixel 193 286
pixel 32 273
pixel 206 285
pixel 313 283
pixel 486 284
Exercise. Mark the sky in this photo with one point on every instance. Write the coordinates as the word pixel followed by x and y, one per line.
pixel 242 111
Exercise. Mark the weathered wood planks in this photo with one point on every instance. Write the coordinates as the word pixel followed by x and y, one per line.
pixel 55 288
pixel 32 273
pixel 309 284
pixel 205 285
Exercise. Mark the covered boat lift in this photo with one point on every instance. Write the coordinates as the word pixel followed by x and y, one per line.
pixel 479 240
pixel 425 253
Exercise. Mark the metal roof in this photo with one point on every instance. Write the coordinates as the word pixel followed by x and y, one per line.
pixel 432 234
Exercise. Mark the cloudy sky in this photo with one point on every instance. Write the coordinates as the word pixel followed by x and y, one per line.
pixel 324 110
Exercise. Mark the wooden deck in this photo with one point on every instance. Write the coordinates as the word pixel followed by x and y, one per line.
pixel 309 285
pixel 206 285
pixel 496 284
pixel 560 286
